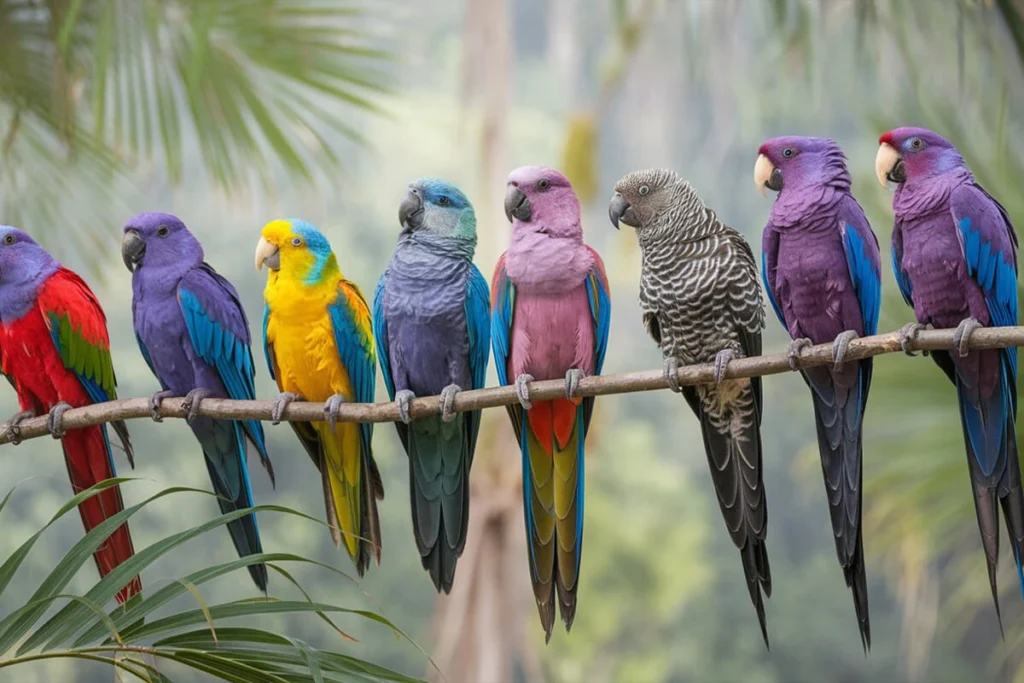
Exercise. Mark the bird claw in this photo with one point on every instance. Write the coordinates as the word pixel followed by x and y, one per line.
pixel 54 421
pixel 523 390
pixel 840 347
pixel 572 382
pixel 794 350
pixel 331 409
pixel 192 401
pixel 448 402
pixel 12 428
pixel 907 334
pixel 670 369
pixel 722 359
pixel 402 399
pixel 280 402
pixel 154 404
pixel 962 336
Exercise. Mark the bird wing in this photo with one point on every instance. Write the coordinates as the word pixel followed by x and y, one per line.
pixel 503 299
pixel 863 261
pixel 769 264
pixel 902 279
pixel 219 333
pixel 598 295
pixel 353 335
pixel 478 327
pixel 78 329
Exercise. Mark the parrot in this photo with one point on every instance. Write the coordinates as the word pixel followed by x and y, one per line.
pixel 954 253
pixel 432 326
pixel 551 311
pixel 55 352
pixel 701 302
pixel 194 336
pixel 822 272
pixel 318 341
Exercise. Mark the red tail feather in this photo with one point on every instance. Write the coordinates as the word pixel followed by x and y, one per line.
pixel 85 453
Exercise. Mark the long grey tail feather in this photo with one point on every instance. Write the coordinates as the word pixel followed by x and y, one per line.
pixel 754 557
pixel 546 608
pixel 440 523
pixel 566 599
pixel 736 465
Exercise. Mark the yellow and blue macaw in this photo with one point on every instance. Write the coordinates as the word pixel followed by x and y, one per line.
pixel 319 344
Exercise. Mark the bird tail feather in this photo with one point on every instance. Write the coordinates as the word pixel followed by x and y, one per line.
pixel 89 461
pixel 552 445
pixel 439 491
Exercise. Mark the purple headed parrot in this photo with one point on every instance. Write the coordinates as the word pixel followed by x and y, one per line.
pixel 822 273
pixel 431 322
pixel 194 336
pixel 954 252
pixel 550 319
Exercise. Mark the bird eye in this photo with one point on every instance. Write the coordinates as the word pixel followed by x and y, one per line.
pixel 788 152
pixel 444 201
pixel 916 143
pixel 8 239
pixel 297 242
pixel 543 184
pixel 644 190
pixel 163 231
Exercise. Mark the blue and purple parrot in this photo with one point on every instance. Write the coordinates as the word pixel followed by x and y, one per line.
pixel 822 272
pixel 194 336
pixel 954 252
pixel 432 324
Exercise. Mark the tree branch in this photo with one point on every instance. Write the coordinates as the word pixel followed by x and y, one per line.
pixel 492 397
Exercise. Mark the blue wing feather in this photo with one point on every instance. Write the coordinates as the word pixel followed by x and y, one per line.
pixel 501 323
pixel 359 360
pixel 600 312
pixel 380 335
pixel 266 346
pixel 219 334
pixel 478 325
pixel 864 263
pixel 769 256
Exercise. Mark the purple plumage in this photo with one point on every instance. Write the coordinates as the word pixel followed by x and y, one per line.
pixel 823 277
pixel 550 320
pixel 194 336
pixel 954 253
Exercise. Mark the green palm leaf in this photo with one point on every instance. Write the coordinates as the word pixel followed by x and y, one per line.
pixel 202 639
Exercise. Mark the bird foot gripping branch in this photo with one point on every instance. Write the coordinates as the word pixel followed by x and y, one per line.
pixel 12 428
pixel 908 334
pixel 55 420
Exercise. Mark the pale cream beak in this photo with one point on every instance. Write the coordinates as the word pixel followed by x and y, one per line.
pixel 267 253
pixel 885 161
pixel 762 172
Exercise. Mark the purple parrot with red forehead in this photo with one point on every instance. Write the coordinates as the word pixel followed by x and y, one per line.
pixel 550 319
pixel 822 272
pixel 954 252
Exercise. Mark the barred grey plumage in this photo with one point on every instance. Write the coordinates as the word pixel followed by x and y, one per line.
pixel 702 302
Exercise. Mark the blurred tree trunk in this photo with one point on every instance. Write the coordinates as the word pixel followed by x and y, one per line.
pixel 481 628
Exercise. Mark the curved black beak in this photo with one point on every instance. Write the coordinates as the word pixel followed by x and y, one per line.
pixel 898 174
pixel 774 182
pixel 133 248
pixel 619 211
pixel 517 205
pixel 410 211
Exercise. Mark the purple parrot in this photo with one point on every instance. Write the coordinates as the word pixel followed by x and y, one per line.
pixel 954 252
pixel 194 336
pixel 431 323
pixel 550 319
pixel 822 273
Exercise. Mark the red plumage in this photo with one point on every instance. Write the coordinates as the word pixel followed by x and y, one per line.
pixel 886 139
pixel 29 356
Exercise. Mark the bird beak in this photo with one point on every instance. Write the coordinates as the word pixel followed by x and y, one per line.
pixel 889 165
pixel 267 253
pixel 410 211
pixel 517 205
pixel 766 176
pixel 619 211
pixel 133 248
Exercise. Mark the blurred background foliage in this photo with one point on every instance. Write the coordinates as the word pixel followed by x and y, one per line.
pixel 253 112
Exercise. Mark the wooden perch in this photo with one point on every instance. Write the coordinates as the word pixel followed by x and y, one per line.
pixel 492 397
